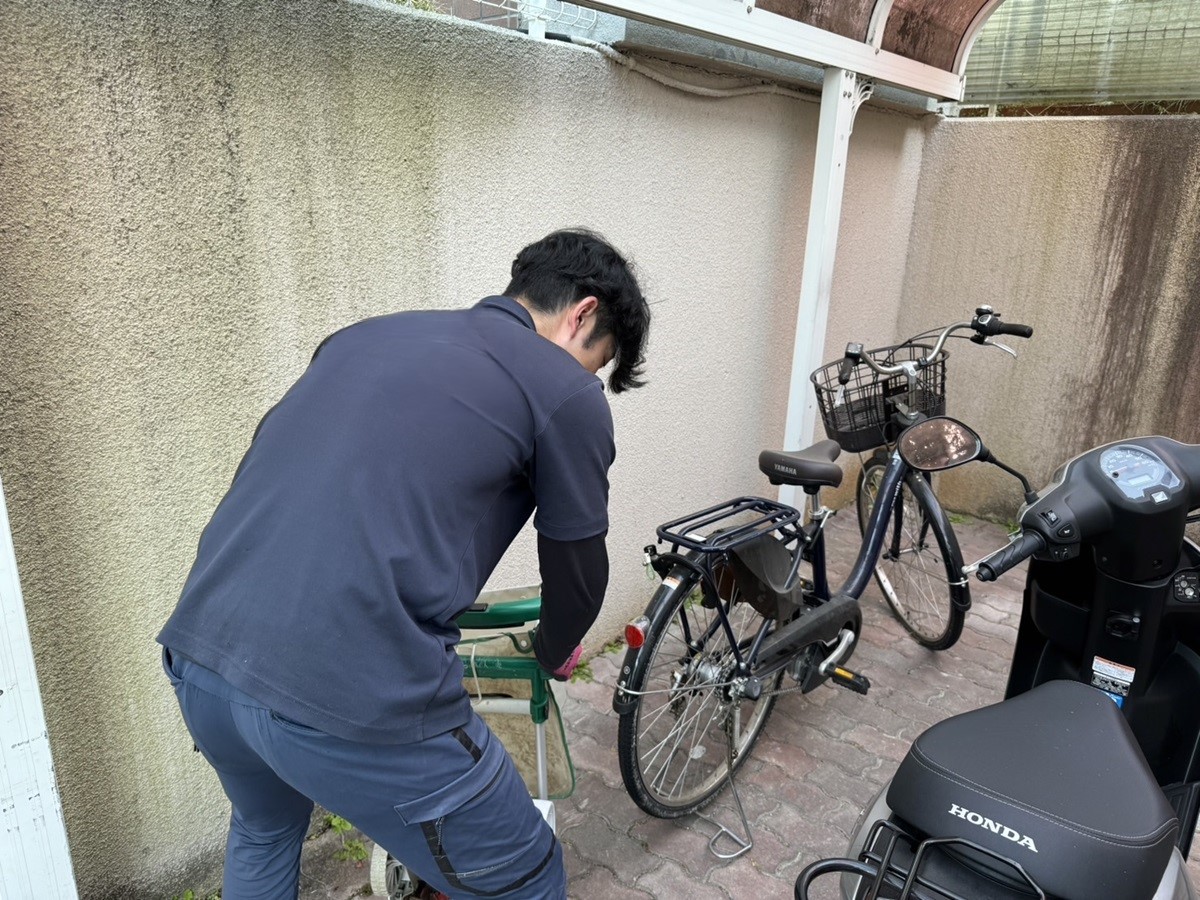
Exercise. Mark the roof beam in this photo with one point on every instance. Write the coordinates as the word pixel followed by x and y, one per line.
pixel 879 17
pixel 739 22
pixel 972 32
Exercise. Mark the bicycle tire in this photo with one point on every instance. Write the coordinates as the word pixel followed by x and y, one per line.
pixel 390 878
pixel 922 582
pixel 673 745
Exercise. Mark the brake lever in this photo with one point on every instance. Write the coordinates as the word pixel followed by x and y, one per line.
pixel 988 342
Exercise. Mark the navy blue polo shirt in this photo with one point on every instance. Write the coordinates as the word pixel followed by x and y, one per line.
pixel 375 500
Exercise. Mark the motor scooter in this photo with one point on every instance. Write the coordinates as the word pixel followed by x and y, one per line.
pixel 1084 782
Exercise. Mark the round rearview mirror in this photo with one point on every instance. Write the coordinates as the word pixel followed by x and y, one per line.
pixel 939 443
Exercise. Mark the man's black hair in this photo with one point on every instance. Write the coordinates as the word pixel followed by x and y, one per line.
pixel 566 266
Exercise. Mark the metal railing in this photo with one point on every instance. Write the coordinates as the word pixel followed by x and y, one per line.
pixel 550 12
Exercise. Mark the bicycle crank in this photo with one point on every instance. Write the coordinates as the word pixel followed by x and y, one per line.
pixel 825 623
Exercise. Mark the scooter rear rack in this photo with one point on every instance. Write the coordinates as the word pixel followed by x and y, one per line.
pixel 879 871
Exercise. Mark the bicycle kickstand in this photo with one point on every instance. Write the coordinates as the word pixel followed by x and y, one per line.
pixel 741 844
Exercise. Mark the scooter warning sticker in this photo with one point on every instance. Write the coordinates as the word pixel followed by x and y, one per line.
pixel 1111 677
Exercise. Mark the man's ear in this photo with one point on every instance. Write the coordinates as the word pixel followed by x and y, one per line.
pixel 581 311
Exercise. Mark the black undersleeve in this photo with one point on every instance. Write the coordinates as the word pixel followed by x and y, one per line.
pixel 574 576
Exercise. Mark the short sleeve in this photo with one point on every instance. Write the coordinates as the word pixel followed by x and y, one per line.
pixel 569 473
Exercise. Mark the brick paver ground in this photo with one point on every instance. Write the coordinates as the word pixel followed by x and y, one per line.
pixel 822 757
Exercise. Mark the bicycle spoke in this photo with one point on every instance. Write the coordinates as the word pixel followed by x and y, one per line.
pixel 689 756
pixel 681 731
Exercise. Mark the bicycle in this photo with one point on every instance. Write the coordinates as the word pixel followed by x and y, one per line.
pixel 875 395
pixel 733 616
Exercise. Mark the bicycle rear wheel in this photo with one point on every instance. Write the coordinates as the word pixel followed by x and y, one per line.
pixel 920 568
pixel 673 746
pixel 390 878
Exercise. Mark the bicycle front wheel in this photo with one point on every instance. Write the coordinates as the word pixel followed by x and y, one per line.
pixel 920 568
pixel 674 745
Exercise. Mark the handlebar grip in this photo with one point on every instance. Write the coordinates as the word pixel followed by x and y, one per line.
pixel 845 369
pixel 1021 331
pixel 992 567
pixel 989 325
pixel 849 361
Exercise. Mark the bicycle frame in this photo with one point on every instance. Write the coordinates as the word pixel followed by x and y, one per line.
pixel 684 572
pixel 868 553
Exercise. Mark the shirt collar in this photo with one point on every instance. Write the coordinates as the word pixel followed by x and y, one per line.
pixel 510 306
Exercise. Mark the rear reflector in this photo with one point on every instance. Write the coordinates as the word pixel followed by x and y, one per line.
pixel 635 632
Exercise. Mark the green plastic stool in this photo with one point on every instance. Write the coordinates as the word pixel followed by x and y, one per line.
pixel 513 614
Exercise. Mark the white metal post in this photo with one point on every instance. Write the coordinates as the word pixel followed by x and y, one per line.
pixel 843 93
pixel 34 859
pixel 534 13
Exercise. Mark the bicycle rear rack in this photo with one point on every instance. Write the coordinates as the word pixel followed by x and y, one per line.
pixel 693 530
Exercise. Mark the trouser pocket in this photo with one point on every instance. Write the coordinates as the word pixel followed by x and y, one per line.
pixel 486 837
pixel 169 667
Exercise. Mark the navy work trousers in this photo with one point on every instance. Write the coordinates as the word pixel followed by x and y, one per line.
pixel 452 808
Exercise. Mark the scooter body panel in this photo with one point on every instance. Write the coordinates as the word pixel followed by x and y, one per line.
pixel 1075 622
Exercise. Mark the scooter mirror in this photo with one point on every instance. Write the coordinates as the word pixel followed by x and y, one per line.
pixel 939 443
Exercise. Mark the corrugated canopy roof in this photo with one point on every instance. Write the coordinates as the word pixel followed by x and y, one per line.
pixel 1087 51
pixel 1043 53
pixel 921 45
pixel 928 31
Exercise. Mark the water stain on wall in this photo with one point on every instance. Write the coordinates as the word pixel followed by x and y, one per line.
pixel 1143 350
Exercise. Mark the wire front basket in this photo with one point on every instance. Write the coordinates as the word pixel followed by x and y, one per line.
pixel 859 414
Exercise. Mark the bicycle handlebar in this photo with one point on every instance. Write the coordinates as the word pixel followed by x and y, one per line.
pixel 1018 550
pixel 854 352
pixel 988 324
pixel 985 324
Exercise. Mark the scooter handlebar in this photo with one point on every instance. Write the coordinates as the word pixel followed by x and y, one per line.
pixel 1017 551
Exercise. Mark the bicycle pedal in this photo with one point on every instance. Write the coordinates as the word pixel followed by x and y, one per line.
pixel 852 680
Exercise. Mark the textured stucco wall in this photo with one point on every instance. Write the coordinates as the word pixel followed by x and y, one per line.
pixel 1089 230
pixel 193 194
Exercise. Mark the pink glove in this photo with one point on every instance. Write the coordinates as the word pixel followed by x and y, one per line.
pixel 563 672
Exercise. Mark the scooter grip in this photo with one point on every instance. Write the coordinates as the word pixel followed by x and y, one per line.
pixel 1029 543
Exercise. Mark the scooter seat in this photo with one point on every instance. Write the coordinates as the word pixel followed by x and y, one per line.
pixel 1052 779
